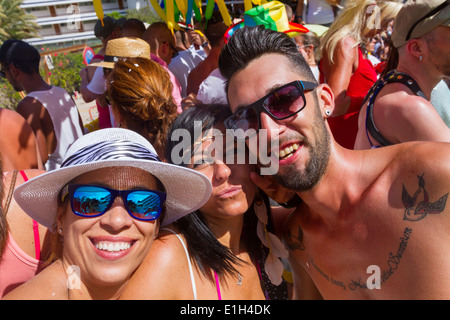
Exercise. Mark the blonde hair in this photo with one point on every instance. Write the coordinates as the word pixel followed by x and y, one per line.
pixel 141 91
pixel 352 22
pixel 389 10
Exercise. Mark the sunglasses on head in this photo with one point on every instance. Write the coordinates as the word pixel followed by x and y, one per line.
pixel 92 201
pixel 280 104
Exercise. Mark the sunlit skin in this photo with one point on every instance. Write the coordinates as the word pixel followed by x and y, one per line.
pixel 103 273
pixel 297 129
pixel 164 274
pixel 81 234
pixel 233 191
pixel 352 213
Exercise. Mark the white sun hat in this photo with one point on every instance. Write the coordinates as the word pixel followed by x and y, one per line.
pixel 187 190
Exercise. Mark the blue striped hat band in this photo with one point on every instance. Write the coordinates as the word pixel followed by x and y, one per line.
pixel 110 150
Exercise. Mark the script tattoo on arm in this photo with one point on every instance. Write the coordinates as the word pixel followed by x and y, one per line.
pixel 419 206
pixel 295 242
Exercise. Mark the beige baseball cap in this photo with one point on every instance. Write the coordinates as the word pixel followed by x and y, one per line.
pixel 418 18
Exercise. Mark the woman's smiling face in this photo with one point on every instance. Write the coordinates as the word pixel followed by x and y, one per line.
pixel 108 248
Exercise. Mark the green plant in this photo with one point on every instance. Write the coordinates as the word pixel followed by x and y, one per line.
pixel 116 15
pixel 9 98
pixel 145 14
pixel 65 72
pixel 15 23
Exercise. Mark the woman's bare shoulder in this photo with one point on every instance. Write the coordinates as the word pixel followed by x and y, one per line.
pixel 50 284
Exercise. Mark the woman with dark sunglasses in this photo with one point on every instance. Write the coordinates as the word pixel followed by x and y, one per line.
pixel 214 252
pixel 105 206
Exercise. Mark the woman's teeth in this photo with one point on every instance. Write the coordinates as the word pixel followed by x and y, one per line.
pixel 288 151
pixel 113 246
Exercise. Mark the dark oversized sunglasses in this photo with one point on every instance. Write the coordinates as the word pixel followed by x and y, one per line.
pixel 280 104
pixel 92 201
pixel 429 14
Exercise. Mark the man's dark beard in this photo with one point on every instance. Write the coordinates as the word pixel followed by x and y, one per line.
pixel 317 164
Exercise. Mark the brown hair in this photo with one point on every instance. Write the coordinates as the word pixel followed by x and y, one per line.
pixel 141 91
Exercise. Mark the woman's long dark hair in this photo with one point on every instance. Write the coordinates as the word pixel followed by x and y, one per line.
pixel 203 246
pixel 392 60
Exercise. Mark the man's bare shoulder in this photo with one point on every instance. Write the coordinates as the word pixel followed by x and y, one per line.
pixel 403 116
pixel 399 96
pixel 7 115
pixel 12 123
pixel 28 103
pixel 429 154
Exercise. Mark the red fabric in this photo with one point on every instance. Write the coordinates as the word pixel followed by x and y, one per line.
pixel 104 118
pixel 345 127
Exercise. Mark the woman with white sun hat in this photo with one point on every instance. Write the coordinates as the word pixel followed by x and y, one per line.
pixel 105 205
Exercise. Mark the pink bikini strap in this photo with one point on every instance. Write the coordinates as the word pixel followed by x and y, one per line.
pixel 217 286
pixel 266 294
pixel 37 241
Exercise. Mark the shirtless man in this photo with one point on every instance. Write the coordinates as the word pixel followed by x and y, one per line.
pixel 373 224
pixel 400 110
pixel 18 145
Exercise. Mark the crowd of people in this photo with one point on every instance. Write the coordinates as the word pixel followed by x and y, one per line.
pixel 150 205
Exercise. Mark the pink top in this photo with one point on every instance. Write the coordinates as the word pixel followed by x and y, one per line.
pixel 16 267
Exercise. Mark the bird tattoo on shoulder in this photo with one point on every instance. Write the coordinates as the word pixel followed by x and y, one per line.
pixel 419 206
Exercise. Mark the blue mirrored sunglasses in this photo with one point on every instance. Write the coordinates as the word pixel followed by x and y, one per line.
pixel 92 201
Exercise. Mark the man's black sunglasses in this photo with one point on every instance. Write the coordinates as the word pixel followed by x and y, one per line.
pixel 280 104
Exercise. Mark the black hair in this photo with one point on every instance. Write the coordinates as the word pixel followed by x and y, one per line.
pixel 215 28
pixel 392 60
pixel 134 25
pixel 203 246
pixel 250 43
pixel 20 54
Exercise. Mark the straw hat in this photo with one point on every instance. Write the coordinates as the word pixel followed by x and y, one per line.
pixel 187 190
pixel 121 48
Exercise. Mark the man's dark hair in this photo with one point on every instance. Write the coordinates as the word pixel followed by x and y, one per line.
pixel 215 28
pixel 214 33
pixel 249 43
pixel 134 25
pixel 20 54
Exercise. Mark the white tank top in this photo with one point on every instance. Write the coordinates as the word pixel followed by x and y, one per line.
pixel 319 12
pixel 65 118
